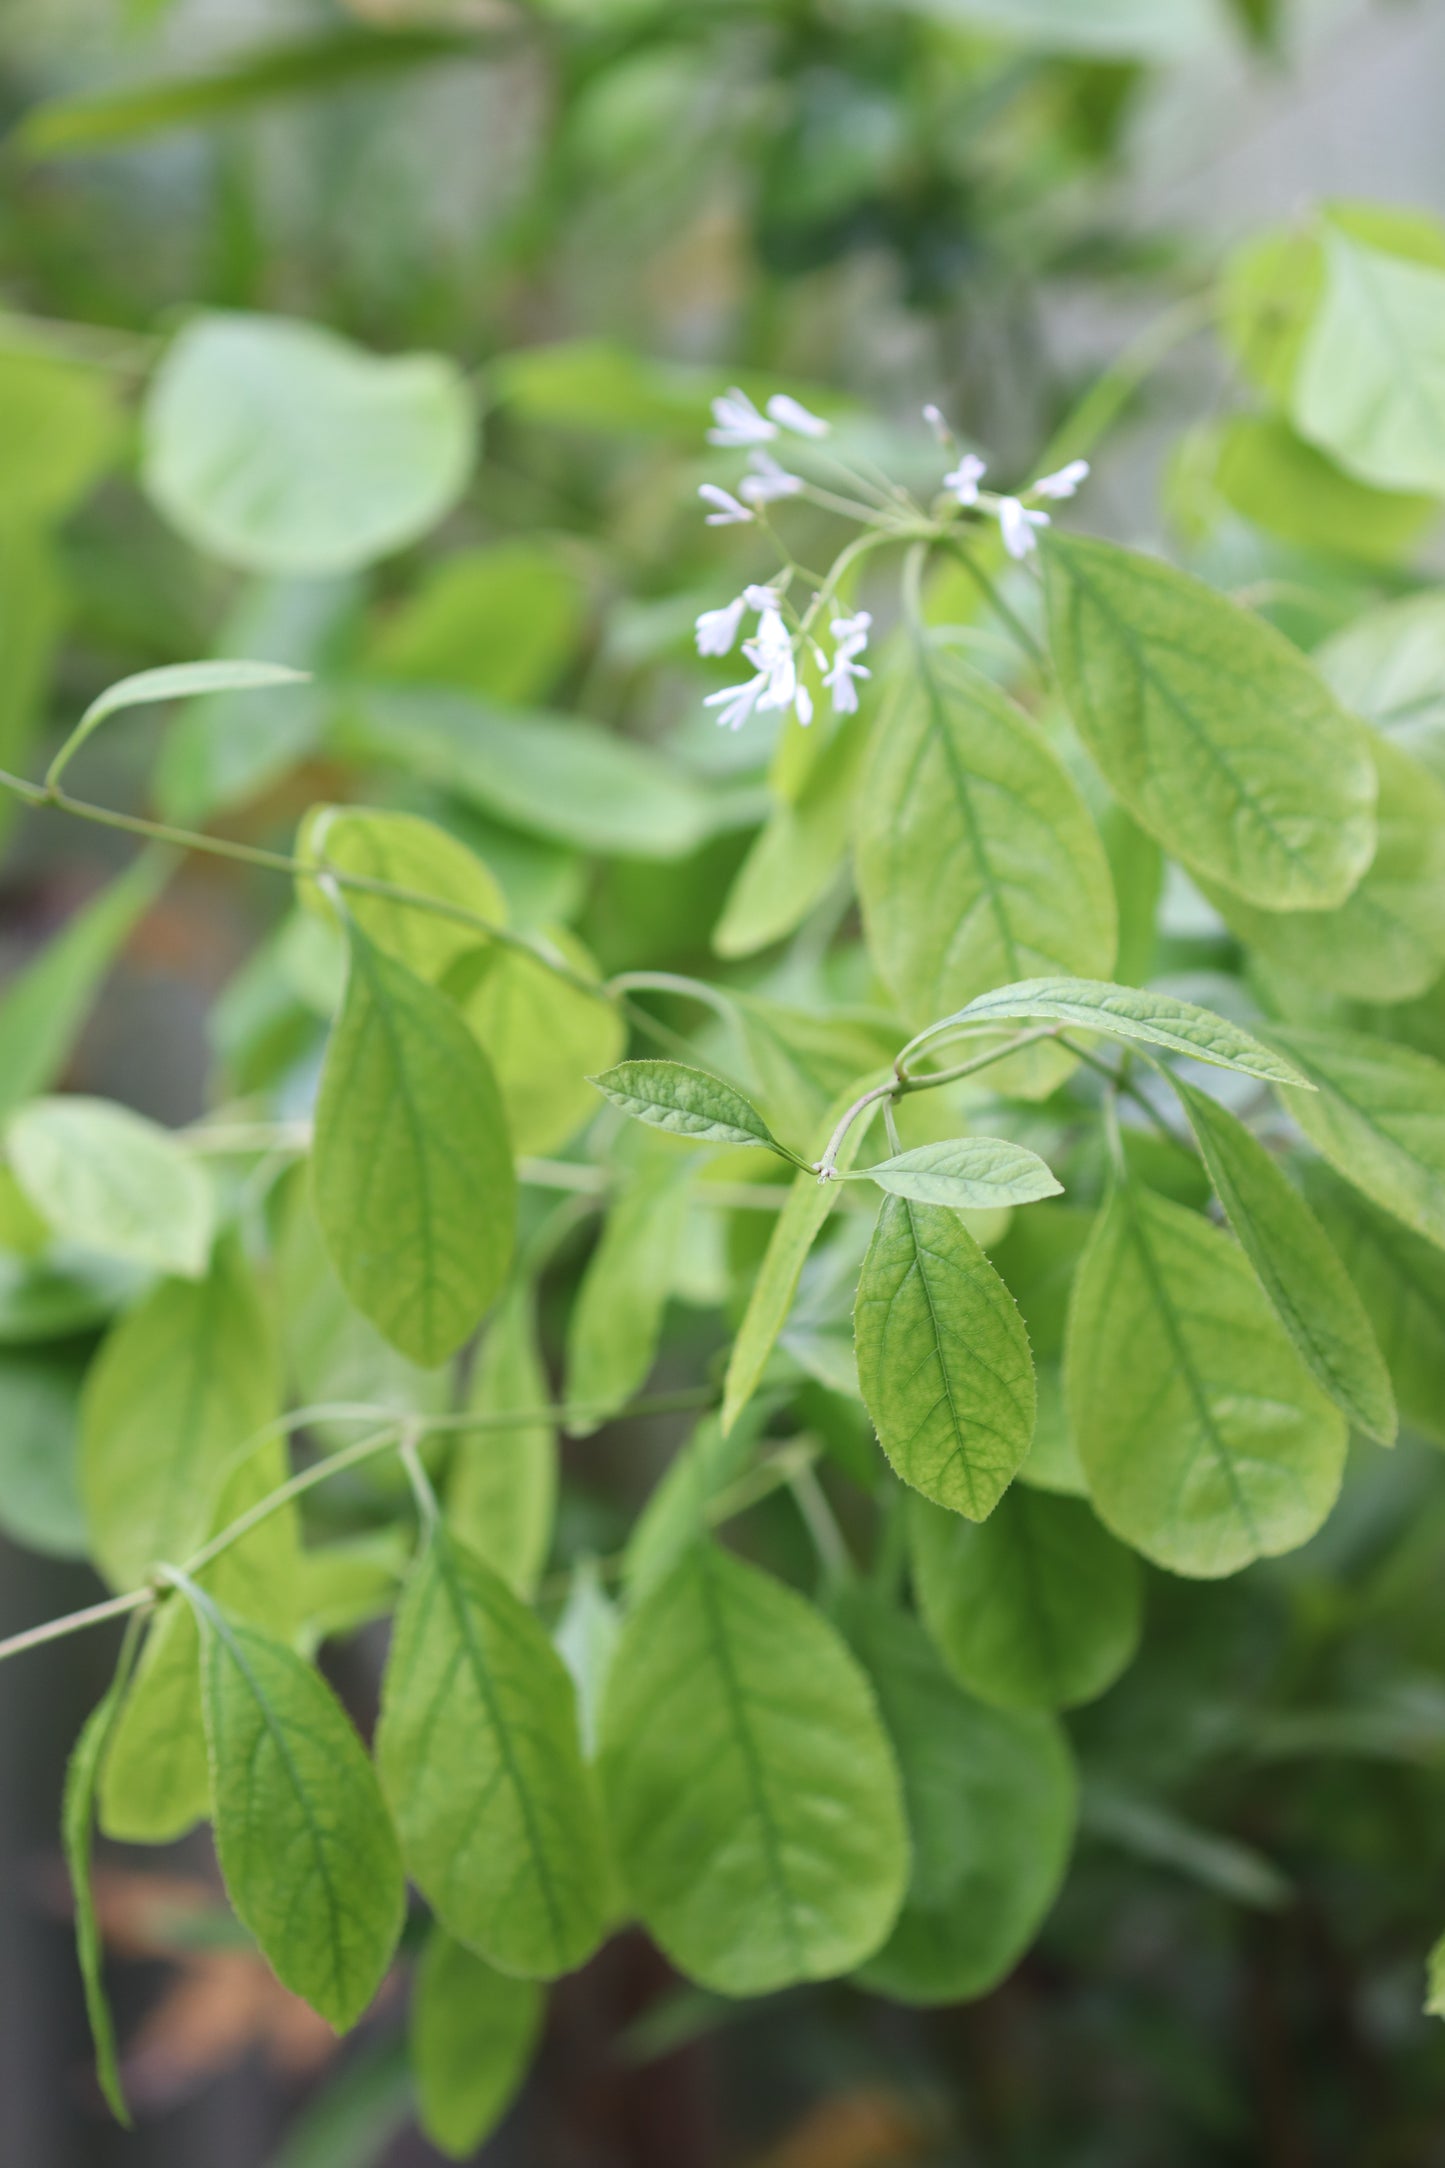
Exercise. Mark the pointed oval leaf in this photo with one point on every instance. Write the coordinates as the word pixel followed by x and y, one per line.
pixel 1377 1113
pixel 972 1174
pixel 992 1800
pixel 181 681
pixel 1205 1441
pixel 1400 1279
pixel 544 1038
pixel 110 1180
pixel 668 1095
pixel 502 1483
pixel 1303 1278
pixel 400 850
pixel 1036 1608
pixel 977 859
pixel 473 2030
pixel 751 1792
pixel 943 1359
pixel 82 1775
pixel 479 1755
pixel 1129 1012
pixel 412 1169
pixel 1216 733
pixel 305 1843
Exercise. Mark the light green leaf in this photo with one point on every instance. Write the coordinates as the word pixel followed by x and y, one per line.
pixel 543 1038
pixel 675 1515
pixel 1149 30
pixel 801 1060
pixel 1217 734
pixel 688 1102
pixel 1037 1608
pixel 991 1799
pixel 399 850
pixel 503 622
pixel 977 859
pixel 281 447
pixel 798 852
pixel 1389 666
pixel 61 424
pixel 179 1387
pixel 110 1180
pixel 472 2034
pixel 616 1320
pixel 45 1005
pixel 970 1173
pixel 479 1755
pixel 943 1359
pixel 1303 1278
pixel 306 1847
pixel 751 1792
pixel 502 1485
pixel 412 1172
pixel 1370 387
pixel 82 1775
pixel 1377 1113
pixel 178 681
pixel 1400 1279
pixel 1126 1012
pixel 1435 1986
pixel 1271 476
pixel 1205 1440
pixel 39 1485
pixel 33 608
pixel 1036 1261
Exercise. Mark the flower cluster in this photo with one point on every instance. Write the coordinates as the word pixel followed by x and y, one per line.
pixel 1016 519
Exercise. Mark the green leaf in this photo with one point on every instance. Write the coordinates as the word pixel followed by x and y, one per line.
pixel 503 622
pixel 39 1483
pixel 32 614
pixel 545 774
pixel 400 850
pixel 689 1103
pixel 412 1172
pixel 61 424
pixel 543 1038
pixel 1126 1012
pixel 1205 1441
pixel 1104 30
pixel 1308 1286
pixel 991 1800
pixel 616 1320
pixel 306 1847
pixel 1037 1608
pixel 1435 1988
pixel 977 859
pixel 751 1792
pixel 112 1181
pixel 178 681
pixel 1036 1261
pixel 800 1060
pixel 45 1005
pixel 969 1173
pixel 1400 1279
pixel 798 1226
pixel 1389 666
pixel 1370 387
pixel 473 2031
pixel 479 1755
pixel 82 1775
pixel 943 1359
pixel 180 1386
pixel 586 1640
pixel 675 1515
pixel 1377 1113
pixel 1217 734
pixel 1271 476
pixel 796 855
pixel 502 1485
pixel 281 447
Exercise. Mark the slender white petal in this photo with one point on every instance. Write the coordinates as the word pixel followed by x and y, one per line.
pixel 1064 483
pixel 768 481
pixel 717 630
pixel 737 421
pixel 736 702
pixel 852 632
pixel 966 477
pixel 803 705
pixel 1017 524
pixel 729 512
pixel 790 414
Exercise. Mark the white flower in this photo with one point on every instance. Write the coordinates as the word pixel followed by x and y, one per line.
pixel 966 477
pixel 729 512
pixel 768 480
pixel 851 634
pixel 770 651
pixel 789 414
pixel 738 421
pixel 736 702
pixel 803 705
pixel 717 630
pixel 1064 483
pixel 934 417
pixel 1018 523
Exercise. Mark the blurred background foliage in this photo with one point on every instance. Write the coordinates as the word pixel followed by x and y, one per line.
pixel 603 211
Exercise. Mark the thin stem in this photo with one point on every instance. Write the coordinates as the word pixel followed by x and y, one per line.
pixel 1125 1084
pixel 817 1515
pixel 427 1504
pixel 1003 611
pixel 673 982
pixel 74 1622
pixel 901 1083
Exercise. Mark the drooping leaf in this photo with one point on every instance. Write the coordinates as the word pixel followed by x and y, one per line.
pixel 305 1843
pixel 412 1169
pixel 1036 1608
pixel 479 1755
pixel 400 850
pixel 1303 1278
pixel 544 1038
pixel 1217 734
pixel 112 1181
pixel 1205 1441
pixel 688 1102
pixel 969 1173
pixel 179 681
pixel 991 1799
pixel 281 447
pixel 943 1358
pixel 181 1384
pixel 1400 1280
pixel 473 2030
pixel 82 1776
pixel 616 1320
pixel 502 1485
pixel 1127 1012
pixel 751 1792
pixel 1370 387
pixel 1377 1113
pixel 977 859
